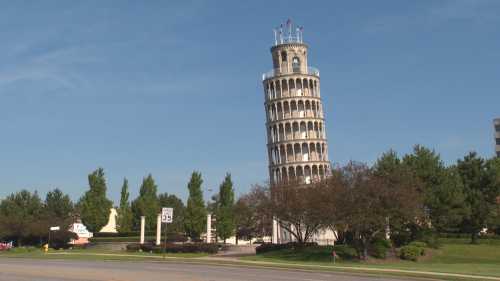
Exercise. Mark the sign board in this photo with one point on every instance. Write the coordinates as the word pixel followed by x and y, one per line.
pixel 55 228
pixel 167 215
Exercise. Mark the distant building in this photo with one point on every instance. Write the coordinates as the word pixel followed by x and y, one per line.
pixel 496 122
pixel 296 131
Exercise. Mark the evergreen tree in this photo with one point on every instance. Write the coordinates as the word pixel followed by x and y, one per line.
pixel 124 212
pixel 58 208
pixel 481 181
pixel 225 221
pixel 442 189
pixel 20 218
pixel 172 201
pixel 196 214
pixel 94 207
pixel 146 204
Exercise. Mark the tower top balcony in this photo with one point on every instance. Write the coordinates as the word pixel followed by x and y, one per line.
pixel 279 72
pixel 288 33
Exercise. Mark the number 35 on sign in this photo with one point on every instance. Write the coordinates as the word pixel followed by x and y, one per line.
pixel 167 215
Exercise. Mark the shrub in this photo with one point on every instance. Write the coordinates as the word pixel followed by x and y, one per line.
pixel 268 247
pixel 175 248
pixel 418 244
pixel 410 253
pixel 379 248
pixel 23 249
pixel 345 252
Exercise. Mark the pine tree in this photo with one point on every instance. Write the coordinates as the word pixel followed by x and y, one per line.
pixel 481 181
pixel 125 212
pixel 58 208
pixel 196 213
pixel 172 201
pixel 94 207
pixel 225 221
pixel 146 204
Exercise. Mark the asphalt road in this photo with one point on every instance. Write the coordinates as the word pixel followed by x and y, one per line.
pixel 73 270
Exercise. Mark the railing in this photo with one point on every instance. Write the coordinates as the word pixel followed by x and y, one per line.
pixel 276 72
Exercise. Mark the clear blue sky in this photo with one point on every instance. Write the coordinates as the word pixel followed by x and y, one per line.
pixel 166 87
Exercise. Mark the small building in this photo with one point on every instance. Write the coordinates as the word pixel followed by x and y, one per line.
pixel 83 234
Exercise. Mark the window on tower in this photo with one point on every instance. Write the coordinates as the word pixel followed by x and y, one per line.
pixel 296 64
pixel 283 56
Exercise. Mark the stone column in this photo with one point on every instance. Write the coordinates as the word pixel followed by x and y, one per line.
pixel 274 238
pixel 143 225
pixel 209 228
pixel 158 229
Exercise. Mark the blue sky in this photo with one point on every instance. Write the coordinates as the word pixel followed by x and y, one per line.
pixel 168 87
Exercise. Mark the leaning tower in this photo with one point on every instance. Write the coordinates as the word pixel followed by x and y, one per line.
pixel 296 138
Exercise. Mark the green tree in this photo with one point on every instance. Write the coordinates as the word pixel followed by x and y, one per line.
pixel 225 221
pixel 442 189
pixel 93 206
pixel 481 181
pixel 58 208
pixel 146 204
pixel 19 218
pixel 196 214
pixel 172 201
pixel 125 211
pixel 387 163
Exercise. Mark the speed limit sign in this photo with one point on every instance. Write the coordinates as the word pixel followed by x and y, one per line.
pixel 167 215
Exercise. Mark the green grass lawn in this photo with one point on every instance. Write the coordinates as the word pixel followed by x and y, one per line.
pixel 455 256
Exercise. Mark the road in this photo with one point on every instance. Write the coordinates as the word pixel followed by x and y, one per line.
pixel 74 270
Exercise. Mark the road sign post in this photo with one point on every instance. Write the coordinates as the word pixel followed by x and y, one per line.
pixel 167 215
pixel 53 228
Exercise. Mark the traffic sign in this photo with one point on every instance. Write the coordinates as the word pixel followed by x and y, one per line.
pixel 167 215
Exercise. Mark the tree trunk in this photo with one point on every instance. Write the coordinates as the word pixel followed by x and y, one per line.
pixel 473 238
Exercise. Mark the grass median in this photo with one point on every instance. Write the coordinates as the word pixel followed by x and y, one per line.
pixel 456 256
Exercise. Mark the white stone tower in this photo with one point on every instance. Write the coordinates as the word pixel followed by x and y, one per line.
pixel 296 138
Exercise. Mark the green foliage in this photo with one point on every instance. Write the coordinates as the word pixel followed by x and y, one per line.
pixel 93 206
pixel 196 214
pixel 442 189
pixel 175 248
pixel 225 220
pixel 146 204
pixel 124 222
pixel 379 248
pixel 481 181
pixel 306 252
pixel 60 239
pixel 172 201
pixel 58 206
pixel 411 253
pixel 20 215
pixel 418 244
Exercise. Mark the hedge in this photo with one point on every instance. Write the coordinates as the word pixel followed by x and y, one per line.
pixel 268 247
pixel 411 252
pixel 175 248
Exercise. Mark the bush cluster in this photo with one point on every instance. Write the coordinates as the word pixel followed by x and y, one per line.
pixel 345 252
pixel 268 247
pixel 379 248
pixel 412 251
pixel 175 248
